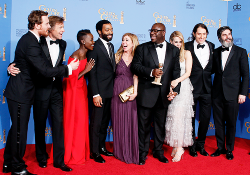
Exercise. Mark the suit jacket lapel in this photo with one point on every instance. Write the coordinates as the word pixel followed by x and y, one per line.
pixel 45 49
pixel 167 58
pixel 153 52
pixel 60 56
pixel 230 56
pixel 219 59
pixel 210 53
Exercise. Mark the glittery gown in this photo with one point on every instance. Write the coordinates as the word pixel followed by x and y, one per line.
pixel 179 116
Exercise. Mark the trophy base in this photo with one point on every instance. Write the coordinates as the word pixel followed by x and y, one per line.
pixel 156 83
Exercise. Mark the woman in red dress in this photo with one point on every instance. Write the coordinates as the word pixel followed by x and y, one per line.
pixel 75 104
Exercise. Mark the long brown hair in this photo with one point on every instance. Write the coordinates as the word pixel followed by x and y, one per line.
pixel 179 34
pixel 120 51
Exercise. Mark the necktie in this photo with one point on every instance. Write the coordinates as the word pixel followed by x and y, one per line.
pixel 200 46
pixel 159 45
pixel 52 42
pixel 111 53
pixel 224 49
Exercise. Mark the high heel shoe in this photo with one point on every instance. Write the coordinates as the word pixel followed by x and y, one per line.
pixel 173 152
pixel 178 155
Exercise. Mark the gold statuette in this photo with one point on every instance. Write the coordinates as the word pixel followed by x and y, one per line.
pixel 4 54
pixel 64 13
pixel 4 136
pixel 219 23
pixel 4 14
pixel 157 81
pixel 122 15
pixel 64 58
pixel 174 21
pixel 3 98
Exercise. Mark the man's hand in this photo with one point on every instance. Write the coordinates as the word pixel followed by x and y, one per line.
pixel 13 70
pixel 74 64
pixel 241 99
pixel 157 73
pixel 97 101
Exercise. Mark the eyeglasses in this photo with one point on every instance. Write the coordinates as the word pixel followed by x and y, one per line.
pixel 154 30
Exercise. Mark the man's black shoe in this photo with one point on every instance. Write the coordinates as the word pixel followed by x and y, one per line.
pixel 23 172
pixel 218 152
pixel 64 168
pixel 42 164
pixel 202 151
pixel 229 155
pixel 142 161
pixel 192 152
pixel 161 158
pixel 6 168
pixel 104 152
pixel 97 157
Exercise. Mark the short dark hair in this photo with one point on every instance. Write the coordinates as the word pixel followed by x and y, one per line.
pixel 81 34
pixel 55 19
pixel 100 24
pixel 35 17
pixel 222 29
pixel 197 26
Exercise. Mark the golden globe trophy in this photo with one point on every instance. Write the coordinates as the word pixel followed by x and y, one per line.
pixel 4 136
pixel 157 81
pixel 64 13
pixel 5 10
pixel 3 98
pixel 122 17
pixel 4 54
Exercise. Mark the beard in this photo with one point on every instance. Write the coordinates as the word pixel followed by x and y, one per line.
pixel 226 44
pixel 105 37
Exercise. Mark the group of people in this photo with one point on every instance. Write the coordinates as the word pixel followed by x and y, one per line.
pixel 184 71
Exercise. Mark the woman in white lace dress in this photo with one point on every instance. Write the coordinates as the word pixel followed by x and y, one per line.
pixel 180 111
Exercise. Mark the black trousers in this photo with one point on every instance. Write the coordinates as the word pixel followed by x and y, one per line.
pixel 204 100
pixel 17 136
pixel 55 105
pixel 158 112
pixel 98 125
pixel 225 114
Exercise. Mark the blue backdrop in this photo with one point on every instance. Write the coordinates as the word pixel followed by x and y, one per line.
pixel 135 16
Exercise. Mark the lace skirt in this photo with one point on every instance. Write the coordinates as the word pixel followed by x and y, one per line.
pixel 179 117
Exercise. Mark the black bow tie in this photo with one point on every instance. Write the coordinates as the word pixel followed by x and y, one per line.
pixel 200 46
pixel 224 49
pixel 52 42
pixel 159 45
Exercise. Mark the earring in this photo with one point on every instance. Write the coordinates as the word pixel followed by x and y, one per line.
pixel 83 43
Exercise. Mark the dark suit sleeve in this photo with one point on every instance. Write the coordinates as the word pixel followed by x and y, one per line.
pixel 177 69
pixel 137 66
pixel 244 72
pixel 33 55
pixel 93 83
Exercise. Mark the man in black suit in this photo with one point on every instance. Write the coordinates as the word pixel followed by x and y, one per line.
pixel 202 53
pixel 49 96
pixel 20 89
pixel 101 80
pixel 230 88
pixel 152 99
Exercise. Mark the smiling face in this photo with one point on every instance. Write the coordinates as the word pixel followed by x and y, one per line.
pixel 107 32
pixel 57 31
pixel 89 41
pixel 200 35
pixel 157 33
pixel 226 38
pixel 43 27
pixel 176 42
pixel 127 44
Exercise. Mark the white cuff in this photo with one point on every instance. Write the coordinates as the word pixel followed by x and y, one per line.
pixel 96 95
pixel 70 69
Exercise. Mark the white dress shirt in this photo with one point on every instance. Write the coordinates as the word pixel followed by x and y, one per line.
pixel 161 53
pixel 202 54
pixel 53 50
pixel 224 57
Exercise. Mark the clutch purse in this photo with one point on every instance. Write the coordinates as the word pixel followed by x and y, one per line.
pixel 124 94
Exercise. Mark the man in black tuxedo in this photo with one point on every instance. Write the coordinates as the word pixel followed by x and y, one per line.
pixel 49 96
pixel 20 89
pixel 152 100
pixel 101 80
pixel 230 88
pixel 202 53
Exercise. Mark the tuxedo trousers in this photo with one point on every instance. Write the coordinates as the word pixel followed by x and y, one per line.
pixel 205 103
pixel 54 104
pixel 225 114
pixel 17 136
pixel 99 122
pixel 145 115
